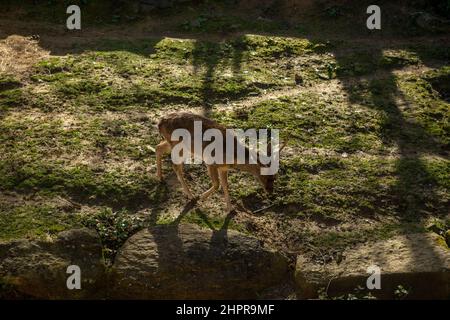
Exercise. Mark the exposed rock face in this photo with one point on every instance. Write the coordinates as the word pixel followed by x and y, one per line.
pixel 38 268
pixel 416 261
pixel 164 262
pixel 188 262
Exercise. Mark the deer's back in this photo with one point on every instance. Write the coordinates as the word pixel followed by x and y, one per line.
pixel 185 120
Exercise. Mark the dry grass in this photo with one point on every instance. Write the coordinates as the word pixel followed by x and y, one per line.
pixel 16 46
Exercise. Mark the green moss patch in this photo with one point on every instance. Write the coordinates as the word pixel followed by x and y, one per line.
pixel 34 221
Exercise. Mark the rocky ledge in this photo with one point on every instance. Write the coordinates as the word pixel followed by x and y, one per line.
pixel 419 263
pixel 162 262
pixel 188 262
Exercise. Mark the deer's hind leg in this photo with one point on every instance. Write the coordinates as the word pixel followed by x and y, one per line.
pixel 214 175
pixel 223 177
pixel 161 149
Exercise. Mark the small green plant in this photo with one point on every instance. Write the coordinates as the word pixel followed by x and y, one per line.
pixel 359 293
pixel 439 226
pixel 114 227
pixel 331 70
pixel 401 292
pixel 442 228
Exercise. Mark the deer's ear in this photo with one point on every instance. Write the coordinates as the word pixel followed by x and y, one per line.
pixel 269 147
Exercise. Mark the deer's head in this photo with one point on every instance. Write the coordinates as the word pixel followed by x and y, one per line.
pixel 268 181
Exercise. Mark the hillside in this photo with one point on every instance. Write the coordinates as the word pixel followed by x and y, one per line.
pixel 365 115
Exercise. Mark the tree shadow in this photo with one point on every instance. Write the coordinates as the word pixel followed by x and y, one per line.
pixel 211 56
pixel 174 238
pixel 219 236
pixel 206 56
pixel 414 192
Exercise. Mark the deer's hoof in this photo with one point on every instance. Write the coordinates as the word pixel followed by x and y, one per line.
pixel 193 200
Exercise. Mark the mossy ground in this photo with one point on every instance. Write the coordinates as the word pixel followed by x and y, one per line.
pixel 367 128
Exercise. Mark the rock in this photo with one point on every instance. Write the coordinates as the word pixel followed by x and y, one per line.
pixel 38 268
pixel 188 262
pixel 430 22
pixel 415 261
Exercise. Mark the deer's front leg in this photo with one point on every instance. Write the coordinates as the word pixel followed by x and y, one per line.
pixel 161 149
pixel 223 177
pixel 178 168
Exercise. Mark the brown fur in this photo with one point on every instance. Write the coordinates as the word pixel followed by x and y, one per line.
pixel 217 172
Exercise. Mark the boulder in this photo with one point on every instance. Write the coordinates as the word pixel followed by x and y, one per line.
pixel 188 262
pixel 418 262
pixel 38 269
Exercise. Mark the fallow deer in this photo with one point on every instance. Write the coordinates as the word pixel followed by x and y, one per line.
pixel 217 172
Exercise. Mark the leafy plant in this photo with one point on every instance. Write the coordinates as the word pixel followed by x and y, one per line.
pixel 114 228
pixel 439 226
pixel 331 70
pixel 359 293
pixel 442 228
pixel 401 292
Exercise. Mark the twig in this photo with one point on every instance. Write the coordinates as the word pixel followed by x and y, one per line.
pixel 265 208
pixel 328 286
pixel 73 203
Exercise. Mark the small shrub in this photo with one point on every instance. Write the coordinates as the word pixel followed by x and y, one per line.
pixel 401 292
pixel 114 228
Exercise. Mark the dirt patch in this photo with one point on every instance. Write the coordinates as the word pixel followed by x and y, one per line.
pixel 18 54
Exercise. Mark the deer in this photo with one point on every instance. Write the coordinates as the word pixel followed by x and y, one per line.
pixel 217 172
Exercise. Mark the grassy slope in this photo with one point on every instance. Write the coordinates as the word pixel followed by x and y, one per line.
pixel 367 130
